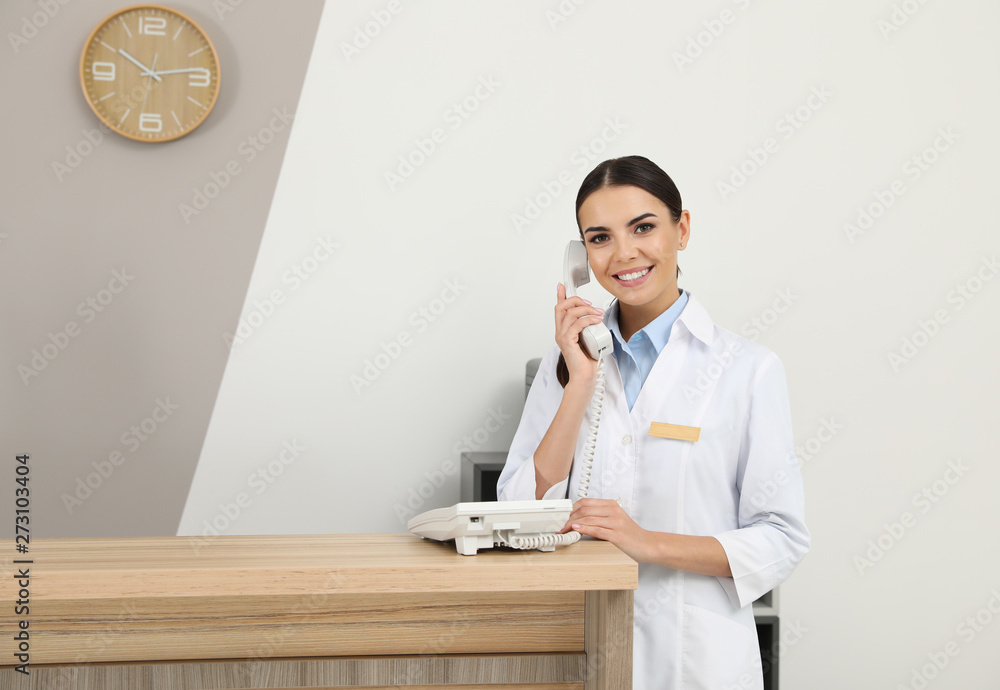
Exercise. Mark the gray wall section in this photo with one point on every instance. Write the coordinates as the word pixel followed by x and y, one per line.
pixel 114 409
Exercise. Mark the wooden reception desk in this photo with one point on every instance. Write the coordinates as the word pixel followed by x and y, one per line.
pixel 318 611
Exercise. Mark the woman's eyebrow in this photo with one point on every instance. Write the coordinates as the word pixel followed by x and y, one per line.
pixel 601 228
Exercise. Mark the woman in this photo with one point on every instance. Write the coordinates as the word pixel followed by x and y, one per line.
pixel 714 519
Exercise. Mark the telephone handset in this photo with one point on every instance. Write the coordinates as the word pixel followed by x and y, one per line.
pixel 528 524
pixel 595 339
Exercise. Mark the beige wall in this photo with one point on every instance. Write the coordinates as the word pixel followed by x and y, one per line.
pixel 108 226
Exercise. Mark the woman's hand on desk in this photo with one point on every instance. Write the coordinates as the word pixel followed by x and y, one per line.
pixel 605 519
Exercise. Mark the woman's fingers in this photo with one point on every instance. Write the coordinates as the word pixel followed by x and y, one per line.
pixel 568 311
pixel 578 318
pixel 594 507
pixel 573 303
pixel 573 322
pixel 572 315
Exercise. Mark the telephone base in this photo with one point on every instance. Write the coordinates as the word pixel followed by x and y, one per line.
pixel 469 545
pixel 515 524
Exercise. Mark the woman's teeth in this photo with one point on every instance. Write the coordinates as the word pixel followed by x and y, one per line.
pixel 632 276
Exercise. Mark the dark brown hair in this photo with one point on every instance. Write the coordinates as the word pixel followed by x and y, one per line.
pixel 635 171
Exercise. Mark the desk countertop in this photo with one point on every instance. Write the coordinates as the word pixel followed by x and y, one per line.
pixel 94 568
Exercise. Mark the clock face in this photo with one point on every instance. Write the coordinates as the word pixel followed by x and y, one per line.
pixel 150 73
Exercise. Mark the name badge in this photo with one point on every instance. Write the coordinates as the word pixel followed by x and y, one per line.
pixel 676 431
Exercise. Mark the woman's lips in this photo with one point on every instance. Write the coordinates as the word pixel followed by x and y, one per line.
pixel 633 283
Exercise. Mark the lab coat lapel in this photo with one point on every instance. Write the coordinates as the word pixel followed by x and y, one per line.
pixel 662 378
pixel 682 354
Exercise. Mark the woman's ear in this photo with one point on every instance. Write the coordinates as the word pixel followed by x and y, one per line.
pixel 684 223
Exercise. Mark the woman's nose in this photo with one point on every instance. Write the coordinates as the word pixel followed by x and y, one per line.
pixel 625 250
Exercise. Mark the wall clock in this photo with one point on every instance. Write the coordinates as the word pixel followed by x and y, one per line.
pixel 150 73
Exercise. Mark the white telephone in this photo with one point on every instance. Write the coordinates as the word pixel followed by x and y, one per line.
pixel 528 524
pixel 595 339
pixel 518 524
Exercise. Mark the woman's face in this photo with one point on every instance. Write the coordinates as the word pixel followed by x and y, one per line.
pixel 629 233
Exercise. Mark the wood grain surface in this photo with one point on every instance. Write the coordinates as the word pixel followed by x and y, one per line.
pixel 265 597
pixel 519 671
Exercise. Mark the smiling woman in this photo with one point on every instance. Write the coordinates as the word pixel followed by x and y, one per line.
pixel 630 217
pixel 709 502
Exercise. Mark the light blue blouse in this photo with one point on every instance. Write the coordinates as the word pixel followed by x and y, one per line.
pixel 635 358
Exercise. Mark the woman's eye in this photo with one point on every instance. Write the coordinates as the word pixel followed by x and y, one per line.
pixel 649 226
pixel 594 238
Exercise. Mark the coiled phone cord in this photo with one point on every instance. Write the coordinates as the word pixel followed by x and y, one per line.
pixel 590 446
pixel 539 541
pixel 545 540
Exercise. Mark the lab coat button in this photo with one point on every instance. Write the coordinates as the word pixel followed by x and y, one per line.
pixel 626 439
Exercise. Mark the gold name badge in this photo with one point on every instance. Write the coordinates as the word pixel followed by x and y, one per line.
pixel 677 431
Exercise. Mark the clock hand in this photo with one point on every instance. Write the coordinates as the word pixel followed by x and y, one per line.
pixel 149 84
pixel 179 71
pixel 145 70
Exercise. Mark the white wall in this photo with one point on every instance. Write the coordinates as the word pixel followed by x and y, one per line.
pixel 853 298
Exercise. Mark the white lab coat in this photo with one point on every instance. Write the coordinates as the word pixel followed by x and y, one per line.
pixel 739 483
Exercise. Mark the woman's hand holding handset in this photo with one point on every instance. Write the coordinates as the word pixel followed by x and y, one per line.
pixel 573 314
